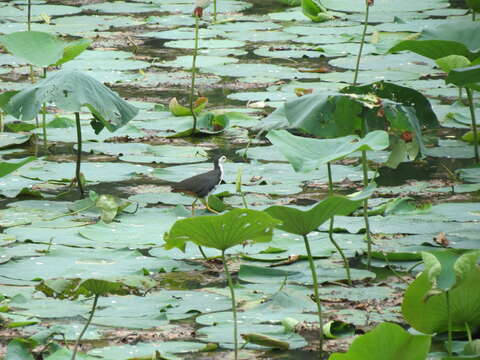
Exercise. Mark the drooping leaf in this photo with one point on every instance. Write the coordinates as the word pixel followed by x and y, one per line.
pixel 306 154
pixel 37 48
pixel 73 49
pixel 386 342
pixel 71 91
pixel 222 232
pixel 179 110
pixel 5 98
pixel 400 94
pixel 464 76
pixel 300 222
pixel 444 40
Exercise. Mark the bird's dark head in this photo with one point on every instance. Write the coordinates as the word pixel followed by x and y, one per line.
pixel 220 159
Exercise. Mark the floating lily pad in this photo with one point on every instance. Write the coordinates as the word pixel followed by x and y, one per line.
pixel 202 61
pixel 124 352
pixel 205 44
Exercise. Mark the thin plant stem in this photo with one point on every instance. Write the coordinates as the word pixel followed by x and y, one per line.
pixel 44 119
pixel 1 121
pixel 365 211
pixel 72 213
pixel 473 15
pixel 44 127
pixel 460 93
pixel 234 304
pixel 471 105
pixel 315 294
pixel 75 349
pixel 202 252
pixel 29 15
pixel 469 332
pixel 449 325
pixel 194 72
pixel 79 154
pixel 365 202
pixel 215 11
pixel 362 42
pixel 330 228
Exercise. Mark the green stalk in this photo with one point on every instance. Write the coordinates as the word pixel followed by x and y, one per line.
pixel 202 252
pixel 330 228
pixel 365 202
pixel 315 293
pixel 29 15
pixel 469 332
pixel 44 119
pixel 1 121
pixel 75 349
pixel 79 154
pixel 194 72
pixel 449 317
pixel 234 304
pixel 362 41
pixel 215 11
pixel 474 122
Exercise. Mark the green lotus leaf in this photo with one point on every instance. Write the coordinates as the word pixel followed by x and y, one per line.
pixel 71 91
pixel 428 313
pixel 444 40
pixel 386 342
pixel 222 232
pixel 300 222
pixel 306 154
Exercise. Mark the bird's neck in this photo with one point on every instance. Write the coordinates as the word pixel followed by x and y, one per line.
pixel 219 166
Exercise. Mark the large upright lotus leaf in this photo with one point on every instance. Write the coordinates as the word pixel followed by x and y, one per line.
pixel 300 222
pixel 223 231
pixel 38 48
pixel 448 268
pixel 464 76
pixel 400 94
pixel 71 91
pixel 444 40
pixel 326 116
pixel 428 313
pixel 387 342
pixel 306 154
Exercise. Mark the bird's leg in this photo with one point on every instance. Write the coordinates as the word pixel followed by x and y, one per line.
pixel 205 202
pixel 193 206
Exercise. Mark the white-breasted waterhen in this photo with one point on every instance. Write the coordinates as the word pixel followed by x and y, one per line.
pixel 201 185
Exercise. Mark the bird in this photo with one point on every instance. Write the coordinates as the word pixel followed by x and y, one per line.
pixel 201 185
pixel 199 6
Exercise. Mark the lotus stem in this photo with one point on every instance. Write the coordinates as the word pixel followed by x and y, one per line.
pixel 215 11
pixel 79 154
pixel 89 320
pixel 315 294
pixel 365 211
pixel 362 41
pixel 29 15
pixel 474 122
pixel 202 252
pixel 194 72
pixel 44 119
pixel 449 325
pixel 469 332
pixel 234 304
pixel 330 228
